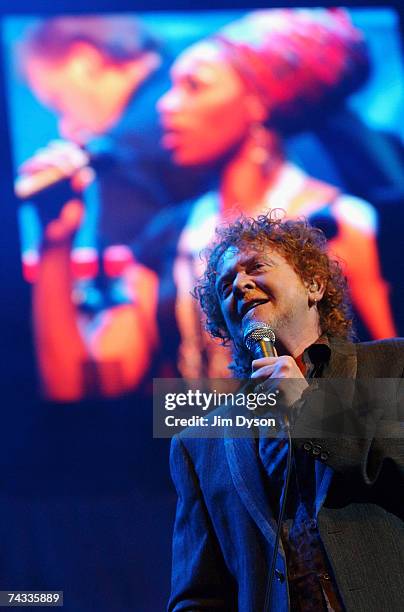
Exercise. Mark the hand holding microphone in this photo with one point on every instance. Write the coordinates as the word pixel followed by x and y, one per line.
pixel 53 176
pixel 267 366
pixel 58 161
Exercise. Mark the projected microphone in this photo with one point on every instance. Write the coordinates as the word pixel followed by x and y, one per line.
pixel 39 173
pixel 259 339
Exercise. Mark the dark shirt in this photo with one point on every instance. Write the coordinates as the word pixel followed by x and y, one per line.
pixel 312 587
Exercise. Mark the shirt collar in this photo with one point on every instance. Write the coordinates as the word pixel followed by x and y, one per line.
pixel 315 356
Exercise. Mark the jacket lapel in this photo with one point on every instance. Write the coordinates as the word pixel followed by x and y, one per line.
pixel 342 366
pixel 248 479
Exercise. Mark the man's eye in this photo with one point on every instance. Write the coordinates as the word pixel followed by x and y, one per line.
pixel 257 265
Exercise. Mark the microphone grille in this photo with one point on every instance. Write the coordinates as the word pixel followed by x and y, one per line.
pixel 255 331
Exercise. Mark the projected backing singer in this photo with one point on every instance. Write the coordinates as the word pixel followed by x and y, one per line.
pixel 234 96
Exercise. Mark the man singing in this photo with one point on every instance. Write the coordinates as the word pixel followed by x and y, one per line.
pixel 341 535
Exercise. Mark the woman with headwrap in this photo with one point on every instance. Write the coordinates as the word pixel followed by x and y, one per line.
pixel 233 96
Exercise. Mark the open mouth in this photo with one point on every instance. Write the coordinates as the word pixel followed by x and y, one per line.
pixel 250 305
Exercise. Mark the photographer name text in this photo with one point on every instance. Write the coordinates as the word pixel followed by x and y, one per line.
pixel 219 421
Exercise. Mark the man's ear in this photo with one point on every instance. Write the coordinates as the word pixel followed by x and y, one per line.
pixel 316 289
pixel 85 60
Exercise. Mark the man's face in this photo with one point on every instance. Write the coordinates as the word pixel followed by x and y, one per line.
pixel 87 90
pixel 65 87
pixel 257 283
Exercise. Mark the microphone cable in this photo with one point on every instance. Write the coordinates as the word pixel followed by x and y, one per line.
pixel 271 575
pixel 259 339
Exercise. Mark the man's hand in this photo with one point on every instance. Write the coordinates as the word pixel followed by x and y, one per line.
pixel 59 172
pixel 279 373
pixel 59 160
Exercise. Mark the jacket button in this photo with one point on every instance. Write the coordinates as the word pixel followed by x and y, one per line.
pixel 324 456
pixel 316 450
pixel 307 446
pixel 325 576
pixel 279 575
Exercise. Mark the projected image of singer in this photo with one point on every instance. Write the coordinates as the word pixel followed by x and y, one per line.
pixel 341 535
pixel 235 98
pixel 101 75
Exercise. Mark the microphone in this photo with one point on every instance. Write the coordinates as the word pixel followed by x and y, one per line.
pixel 32 182
pixel 259 339
pixel 38 173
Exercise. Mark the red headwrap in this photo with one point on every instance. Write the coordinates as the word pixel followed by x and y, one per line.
pixel 296 59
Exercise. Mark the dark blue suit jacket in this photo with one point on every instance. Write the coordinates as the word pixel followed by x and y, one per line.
pixel 225 530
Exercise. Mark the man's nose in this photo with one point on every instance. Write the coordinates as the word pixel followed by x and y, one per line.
pixel 242 283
